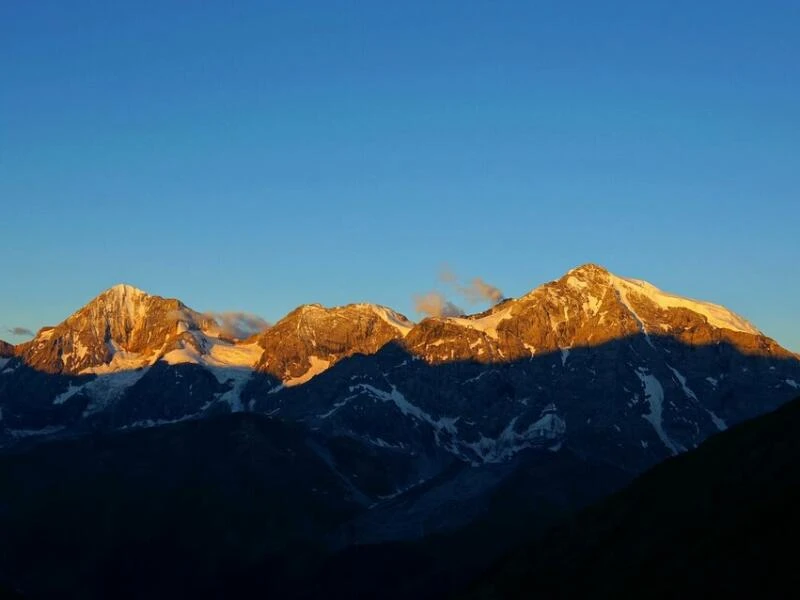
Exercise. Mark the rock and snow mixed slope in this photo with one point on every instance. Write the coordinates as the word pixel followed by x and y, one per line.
pixel 598 362
pixel 313 338
pixel 602 365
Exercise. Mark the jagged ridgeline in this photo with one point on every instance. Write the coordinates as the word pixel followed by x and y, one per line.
pixel 590 359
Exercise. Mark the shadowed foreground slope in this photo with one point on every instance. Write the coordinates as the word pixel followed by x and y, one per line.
pixel 164 512
pixel 245 505
pixel 722 519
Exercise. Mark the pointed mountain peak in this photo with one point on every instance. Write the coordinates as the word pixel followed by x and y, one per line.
pixel 125 289
pixel 589 269
pixel 604 302
pixel 587 274
pixel 133 303
pixel 647 302
pixel 306 308
pixel 124 292
pixel 123 324
pixel 313 337
pixel 121 296
pixel 320 311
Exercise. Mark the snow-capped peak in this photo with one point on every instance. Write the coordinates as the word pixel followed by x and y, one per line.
pixel 646 301
pixel 125 289
pixel 393 318
pixel 717 316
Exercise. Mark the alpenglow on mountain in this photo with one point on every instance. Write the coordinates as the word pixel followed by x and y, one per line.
pixel 593 362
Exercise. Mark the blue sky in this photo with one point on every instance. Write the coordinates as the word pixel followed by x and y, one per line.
pixel 265 155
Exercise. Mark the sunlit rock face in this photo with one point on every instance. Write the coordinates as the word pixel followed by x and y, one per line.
pixel 122 328
pixel 586 307
pixel 605 366
pixel 313 338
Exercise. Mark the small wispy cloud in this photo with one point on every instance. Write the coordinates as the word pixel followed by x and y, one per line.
pixel 435 304
pixel 20 331
pixel 446 275
pixel 480 291
pixel 238 325
pixel 475 291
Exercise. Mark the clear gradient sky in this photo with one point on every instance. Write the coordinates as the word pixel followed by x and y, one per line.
pixel 265 155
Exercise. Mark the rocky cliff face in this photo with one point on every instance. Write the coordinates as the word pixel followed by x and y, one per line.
pixel 121 328
pixel 313 338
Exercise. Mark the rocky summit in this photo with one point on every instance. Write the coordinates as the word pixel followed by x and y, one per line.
pixel 120 329
pixel 313 338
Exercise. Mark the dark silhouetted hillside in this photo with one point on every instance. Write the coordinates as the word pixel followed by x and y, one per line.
pixel 719 521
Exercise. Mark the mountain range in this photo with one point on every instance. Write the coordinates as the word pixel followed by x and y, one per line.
pixel 434 430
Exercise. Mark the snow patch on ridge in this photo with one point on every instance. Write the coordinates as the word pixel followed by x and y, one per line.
pixel 548 431
pixel 564 356
pixel 719 423
pixel 218 353
pixel 487 324
pixel 318 365
pixel 717 316
pixel 157 422
pixel 394 319
pixel 69 393
pixel 237 378
pixel 107 388
pixel 338 405
pixel 407 408
pixel 654 394
pixel 102 390
pixel 682 380
pixel 24 433
pixel 622 293
pixel 120 361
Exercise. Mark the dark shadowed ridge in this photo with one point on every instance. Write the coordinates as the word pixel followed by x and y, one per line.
pixel 163 512
pixel 719 521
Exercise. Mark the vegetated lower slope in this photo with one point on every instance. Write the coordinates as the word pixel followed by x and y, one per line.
pixel 720 520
